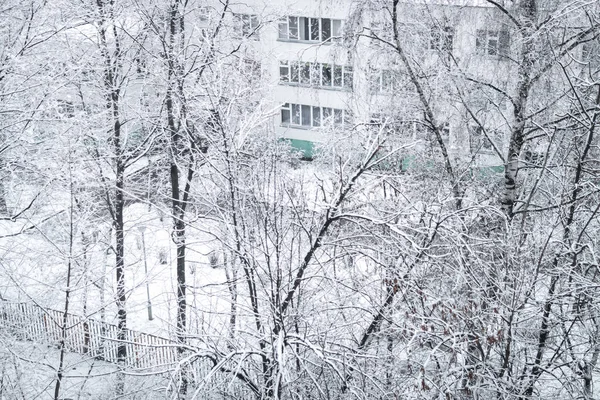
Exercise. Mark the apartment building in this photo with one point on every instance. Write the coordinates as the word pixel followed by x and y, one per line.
pixel 304 63
pixel 331 69
pixel 328 68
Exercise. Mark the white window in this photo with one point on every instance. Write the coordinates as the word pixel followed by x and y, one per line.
pixel 310 29
pixel 590 53
pixel 316 74
pixel 343 77
pixel 306 116
pixel 385 81
pixel 479 142
pixel 326 75
pixel 286 114
pixel 401 127
pixel 141 66
pixel 492 42
pixel 288 28
pixel 247 25
pixel 250 69
pixel 203 15
pixel 336 30
pixel 65 108
pixel 441 39
pixel 145 100
pixel 304 73
pixel 381 31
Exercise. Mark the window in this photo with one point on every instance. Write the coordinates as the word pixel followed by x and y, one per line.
pixel 586 52
pixel 325 29
pixel 441 39
pixel 326 75
pixel 316 116
pixel 65 108
pixel 401 131
pixel 338 75
pixel 247 25
pixel 316 74
pixel 382 31
pixel 145 100
pixel 590 53
pixel 347 78
pixel 250 69
pixel 284 72
pixel 296 120
pixel 385 81
pixel 294 76
pixel 315 29
pixel 304 73
pixel 141 66
pixel 492 42
pixel 534 158
pixel 203 15
pixel 479 142
pixel 285 114
pixel 305 116
pixel 336 29
pixel 309 29
pixel 288 28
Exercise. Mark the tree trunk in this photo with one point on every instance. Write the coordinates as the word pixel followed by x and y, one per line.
pixel 63 326
pixel 3 206
pixel 527 33
pixel 112 64
pixel 179 195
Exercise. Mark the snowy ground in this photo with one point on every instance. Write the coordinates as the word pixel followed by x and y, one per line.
pixel 207 290
pixel 33 268
pixel 29 372
pixel 35 263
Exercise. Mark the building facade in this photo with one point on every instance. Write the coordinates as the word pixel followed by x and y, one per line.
pixel 334 66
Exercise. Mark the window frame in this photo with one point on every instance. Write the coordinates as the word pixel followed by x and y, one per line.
pixel 304 116
pixel 492 42
pixel 387 81
pixel 246 26
pixel 312 74
pixel 251 68
pixel 479 142
pixel 284 65
pixel 309 29
pixel 286 110
pixel 442 38
pixel 383 81
pixel 204 15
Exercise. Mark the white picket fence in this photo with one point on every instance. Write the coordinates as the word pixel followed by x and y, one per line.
pixel 99 340
pixel 87 336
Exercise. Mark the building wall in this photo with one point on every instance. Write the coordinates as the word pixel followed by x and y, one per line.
pixel 366 55
pixel 447 77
